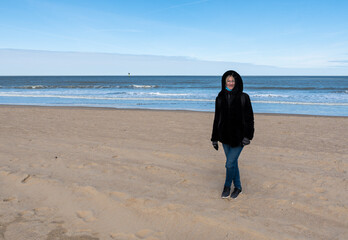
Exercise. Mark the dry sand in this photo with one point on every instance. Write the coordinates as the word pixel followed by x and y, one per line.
pixel 84 173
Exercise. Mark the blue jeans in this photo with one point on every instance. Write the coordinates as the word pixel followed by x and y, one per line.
pixel 232 170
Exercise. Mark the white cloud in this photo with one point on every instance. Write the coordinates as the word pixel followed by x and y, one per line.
pixel 35 62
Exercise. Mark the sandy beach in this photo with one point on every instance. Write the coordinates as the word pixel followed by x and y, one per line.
pixel 92 173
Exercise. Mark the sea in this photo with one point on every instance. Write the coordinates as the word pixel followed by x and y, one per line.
pixel 307 95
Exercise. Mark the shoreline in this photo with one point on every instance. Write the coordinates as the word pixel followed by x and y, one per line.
pixel 161 110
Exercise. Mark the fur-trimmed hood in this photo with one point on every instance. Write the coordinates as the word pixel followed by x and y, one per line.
pixel 238 87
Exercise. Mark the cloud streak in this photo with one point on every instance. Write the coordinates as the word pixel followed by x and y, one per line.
pixel 36 62
pixel 339 61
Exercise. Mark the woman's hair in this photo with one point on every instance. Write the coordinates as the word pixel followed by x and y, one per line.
pixel 235 75
pixel 229 76
pixel 237 78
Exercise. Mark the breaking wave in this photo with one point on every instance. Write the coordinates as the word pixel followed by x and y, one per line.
pixel 158 99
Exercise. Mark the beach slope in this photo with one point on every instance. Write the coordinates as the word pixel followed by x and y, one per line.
pixel 92 173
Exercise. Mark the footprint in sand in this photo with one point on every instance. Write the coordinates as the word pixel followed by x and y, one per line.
pixel 323 198
pixel 146 234
pixel 86 216
pixel 43 211
pixel 248 212
pixel 10 199
pixel 122 236
pixel 269 185
pixel 26 178
pixel 319 190
pixel 27 213
pixel 142 234
pixel 88 190
pixel 152 168
pixel 152 238
pixel 120 196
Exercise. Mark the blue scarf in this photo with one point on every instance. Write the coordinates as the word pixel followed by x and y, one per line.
pixel 228 89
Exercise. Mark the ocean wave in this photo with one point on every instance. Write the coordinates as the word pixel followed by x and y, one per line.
pixel 269 95
pixel 134 86
pixel 140 86
pixel 153 94
pixel 168 94
pixel 65 87
pixel 6 94
pixel 32 87
pixel 292 88
pixel 302 103
pixel 101 98
pixel 143 86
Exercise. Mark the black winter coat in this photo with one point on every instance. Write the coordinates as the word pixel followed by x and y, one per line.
pixel 232 121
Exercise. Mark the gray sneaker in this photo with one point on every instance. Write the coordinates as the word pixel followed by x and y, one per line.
pixel 226 192
pixel 236 192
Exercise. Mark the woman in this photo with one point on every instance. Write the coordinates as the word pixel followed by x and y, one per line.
pixel 233 127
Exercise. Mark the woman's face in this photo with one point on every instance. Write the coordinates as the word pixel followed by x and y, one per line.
pixel 230 82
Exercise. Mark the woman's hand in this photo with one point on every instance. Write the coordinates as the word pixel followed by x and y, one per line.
pixel 215 145
pixel 245 141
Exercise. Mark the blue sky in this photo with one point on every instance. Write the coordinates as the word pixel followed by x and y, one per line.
pixel 294 37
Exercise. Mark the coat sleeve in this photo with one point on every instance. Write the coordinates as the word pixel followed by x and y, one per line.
pixel 215 135
pixel 249 119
